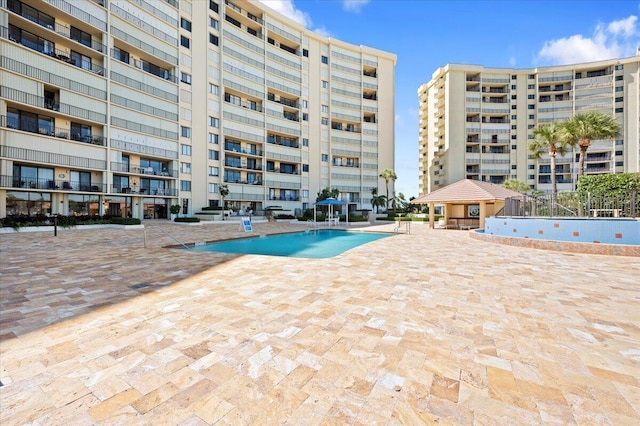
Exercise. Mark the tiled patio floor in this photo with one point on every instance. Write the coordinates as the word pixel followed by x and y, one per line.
pixel 432 327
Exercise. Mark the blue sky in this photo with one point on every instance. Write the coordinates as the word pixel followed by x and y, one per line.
pixel 427 34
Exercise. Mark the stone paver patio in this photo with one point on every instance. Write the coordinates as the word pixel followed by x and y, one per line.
pixel 432 327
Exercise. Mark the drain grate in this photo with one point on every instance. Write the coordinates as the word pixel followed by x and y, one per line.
pixel 138 286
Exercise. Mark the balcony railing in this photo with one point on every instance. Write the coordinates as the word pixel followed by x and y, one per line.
pixel 47 103
pixel 233 148
pixel 48 49
pixel 285 198
pixel 285 171
pixel 241 165
pixel 137 169
pixel 32 126
pixel 50 184
pixel 282 141
pixel 243 181
pixel 145 66
pixel 162 192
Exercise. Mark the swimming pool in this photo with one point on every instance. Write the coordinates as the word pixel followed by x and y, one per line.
pixel 316 244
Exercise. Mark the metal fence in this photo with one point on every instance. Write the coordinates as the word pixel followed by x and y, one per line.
pixel 572 204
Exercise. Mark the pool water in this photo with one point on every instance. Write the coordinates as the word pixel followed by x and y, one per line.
pixel 316 244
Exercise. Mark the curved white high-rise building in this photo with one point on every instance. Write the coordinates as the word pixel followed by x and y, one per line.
pixel 476 122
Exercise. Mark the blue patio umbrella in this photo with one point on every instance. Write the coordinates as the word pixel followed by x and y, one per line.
pixel 330 202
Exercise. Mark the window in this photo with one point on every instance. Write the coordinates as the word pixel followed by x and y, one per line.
pixel 532 116
pixel 514 136
pixel 514 117
pixel 531 107
pixel 325 158
pixel 305 104
pixel 185 132
pixel 185 78
pixel 531 176
pixel 619 152
pixel 531 167
pixel 185 168
pixel 514 77
pixel 214 89
pixel 531 96
pixel 213 6
pixel 305 116
pixel 213 23
pixel 80 36
pixel 325 84
pixel 325 109
pixel 213 189
pixel 530 126
pixel 619 142
pixel 214 171
pixel 305 167
pixel 514 127
pixel 514 97
pixel 531 77
pixel 214 122
pixel 619 67
pixel 620 99
pixel 214 155
pixel 619 77
pixel 513 87
pixel 619 89
pixel 619 109
pixel 514 167
pixel 324 121
pixel 619 163
pixel 213 39
pixel 233 99
pixel 185 149
pixel 185 24
pixel 185 42
pixel 514 106
pixel 214 138
pixel 305 142
pixel 305 53
pixel 185 185
pixel 325 59
pixel 531 86
pixel 514 146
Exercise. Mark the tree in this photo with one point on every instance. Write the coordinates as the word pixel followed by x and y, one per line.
pixel 377 201
pixel 224 191
pixel 581 129
pixel 516 185
pixel 387 175
pixel 327 193
pixel 549 138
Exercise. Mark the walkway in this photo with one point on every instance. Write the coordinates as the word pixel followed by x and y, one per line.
pixel 422 328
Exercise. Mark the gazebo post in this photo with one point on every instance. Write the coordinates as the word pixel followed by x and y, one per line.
pixel 432 215
pixel 483 213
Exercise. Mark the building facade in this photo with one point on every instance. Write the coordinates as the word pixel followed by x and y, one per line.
pixel 127 107
pixel 477 122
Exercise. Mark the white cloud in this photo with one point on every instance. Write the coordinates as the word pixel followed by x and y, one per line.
pixel 512 61
pixel 288 9
pixel 354 5
pixel 617 39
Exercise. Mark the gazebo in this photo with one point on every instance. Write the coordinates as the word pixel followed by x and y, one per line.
pixel 467 202
pixel 330 202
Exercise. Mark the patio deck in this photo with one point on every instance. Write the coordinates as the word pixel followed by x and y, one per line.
pixel 422 328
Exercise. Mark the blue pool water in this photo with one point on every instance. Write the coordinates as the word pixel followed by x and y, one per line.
pixel 317 244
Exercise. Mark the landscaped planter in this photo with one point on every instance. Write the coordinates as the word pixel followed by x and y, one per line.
pixel 50 228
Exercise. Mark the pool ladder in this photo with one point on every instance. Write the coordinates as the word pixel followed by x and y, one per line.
pixel 407 227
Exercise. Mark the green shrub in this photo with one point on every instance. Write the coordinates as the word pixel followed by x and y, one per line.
pixel 284 216
pixel 218 208
pixel 187 219
pixel 125 221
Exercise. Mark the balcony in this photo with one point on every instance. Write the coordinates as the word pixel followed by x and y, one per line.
pixel 162 192
pixel 50 184
pixel 234 163
pixel 143 65
pixel 32 126
pixel 284 198
pixel 283 141
pixel 248 151
pixel 139 170
pixel 287 171
pixel 41 45
pixel 284 101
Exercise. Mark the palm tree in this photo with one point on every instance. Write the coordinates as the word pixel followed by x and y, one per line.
pixel 377 201
pixel 387 175
pixel 583 128
pixel 224 191
pixel 549 139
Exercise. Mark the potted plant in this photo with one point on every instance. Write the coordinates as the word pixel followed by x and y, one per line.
pixel 174 210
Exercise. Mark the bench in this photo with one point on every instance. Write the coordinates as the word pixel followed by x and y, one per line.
pixel 615 212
